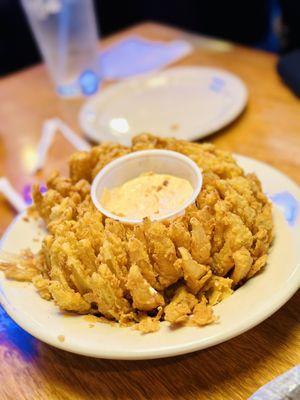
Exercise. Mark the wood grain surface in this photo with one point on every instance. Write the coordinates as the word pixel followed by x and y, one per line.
pixel 269 130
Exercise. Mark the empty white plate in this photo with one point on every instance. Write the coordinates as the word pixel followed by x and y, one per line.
pixel 255 301
pixel 183 102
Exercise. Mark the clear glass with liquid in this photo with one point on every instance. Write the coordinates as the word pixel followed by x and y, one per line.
pixel 66 33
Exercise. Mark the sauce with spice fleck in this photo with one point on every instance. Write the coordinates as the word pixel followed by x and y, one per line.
pixel 148 195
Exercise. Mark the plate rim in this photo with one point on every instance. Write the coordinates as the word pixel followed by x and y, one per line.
pixel 90 133
pixel 278 300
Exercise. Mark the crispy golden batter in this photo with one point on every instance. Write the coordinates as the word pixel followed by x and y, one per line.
pixel 195 274
pixel 144 296
pixel 172 270
pixel 218 289
pixel 202 314
pixel 181 306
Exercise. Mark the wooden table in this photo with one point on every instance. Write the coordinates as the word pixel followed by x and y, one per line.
pixel 268 130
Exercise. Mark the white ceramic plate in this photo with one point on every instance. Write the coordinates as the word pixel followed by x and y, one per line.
pixel 248 306
pixel 183 102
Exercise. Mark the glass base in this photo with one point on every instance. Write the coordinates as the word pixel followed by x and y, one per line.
pixel 87 84
pixel 68 91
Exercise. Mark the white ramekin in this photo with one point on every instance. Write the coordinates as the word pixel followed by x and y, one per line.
pixel 132 165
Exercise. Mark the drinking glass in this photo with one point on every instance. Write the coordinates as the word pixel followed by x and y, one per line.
pixel 66 33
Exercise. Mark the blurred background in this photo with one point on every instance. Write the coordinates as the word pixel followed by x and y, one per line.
pixel 273 25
